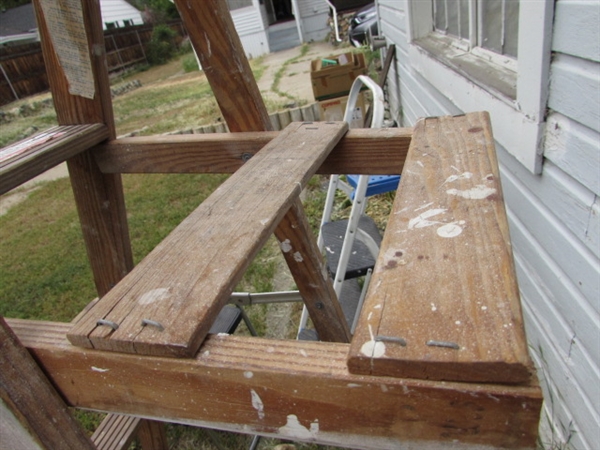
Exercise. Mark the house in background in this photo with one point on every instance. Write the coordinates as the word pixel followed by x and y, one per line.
pixel 119 14
pixel 266 26
pixel 18 25
pixel 535 66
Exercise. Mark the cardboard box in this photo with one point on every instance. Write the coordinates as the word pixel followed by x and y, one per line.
pixel 333 110
pixel 333 77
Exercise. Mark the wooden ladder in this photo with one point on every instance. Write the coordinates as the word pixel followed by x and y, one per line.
pixel 441 332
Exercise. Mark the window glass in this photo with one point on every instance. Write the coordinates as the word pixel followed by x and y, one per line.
pixel 497 27
pixel 452 17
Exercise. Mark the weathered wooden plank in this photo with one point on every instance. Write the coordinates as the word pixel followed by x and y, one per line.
pixel 296 390
pixel 24 160
pixel 185 281
pixel 218 46
pixel 99 197
pixel 28 394
pixel 443 302
pixel 364 151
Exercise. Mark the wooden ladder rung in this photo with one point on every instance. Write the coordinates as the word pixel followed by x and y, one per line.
pixel 116 432
pixel 181 286
pixel 24 160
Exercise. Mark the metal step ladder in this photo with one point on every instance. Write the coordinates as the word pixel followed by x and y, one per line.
pixel 351 245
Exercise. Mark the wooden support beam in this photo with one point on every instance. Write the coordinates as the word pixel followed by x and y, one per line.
pixel 26 159
pixel 305 260
pixel 186 280
pixel 218 46
pixel 443 302
pixel 73 46
pixel 366 151
pixel 291 389
pixel 221 54
pixel 27 393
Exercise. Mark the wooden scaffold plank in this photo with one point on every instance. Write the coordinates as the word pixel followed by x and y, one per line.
pixel 167 304
pixel 443 302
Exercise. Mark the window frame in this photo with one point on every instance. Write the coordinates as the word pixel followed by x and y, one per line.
pixel 518 120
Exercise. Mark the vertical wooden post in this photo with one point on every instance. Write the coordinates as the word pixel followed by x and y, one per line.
pixel 218 46
pixel 34 402
pixel 99 197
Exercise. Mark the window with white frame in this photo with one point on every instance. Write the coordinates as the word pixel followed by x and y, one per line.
pixel 488 55
pixel 489 24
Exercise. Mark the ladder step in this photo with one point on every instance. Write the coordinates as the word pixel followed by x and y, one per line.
pixel 361 258
pixel 227 321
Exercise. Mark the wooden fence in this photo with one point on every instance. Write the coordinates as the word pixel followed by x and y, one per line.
pixel 23 72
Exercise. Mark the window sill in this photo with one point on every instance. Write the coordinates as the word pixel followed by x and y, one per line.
pixel 497 79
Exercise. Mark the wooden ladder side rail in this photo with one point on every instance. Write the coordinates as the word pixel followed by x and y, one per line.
pixel 26 159
pixel 443 302
pixel 41 415
pixel 370 151
pixel 167 304
pixel 292 389
pixel 99 197
pixel 223 59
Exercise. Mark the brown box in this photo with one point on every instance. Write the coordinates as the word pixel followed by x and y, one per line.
pixel 332 110
pixel 330 81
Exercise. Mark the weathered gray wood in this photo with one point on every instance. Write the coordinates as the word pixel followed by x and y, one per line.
pixel 374 152
pixel 443 302
pixel 24 160
pixel 116 432
pixel 217 44
pixel 292 389
pixel 25 390
pixel 185 281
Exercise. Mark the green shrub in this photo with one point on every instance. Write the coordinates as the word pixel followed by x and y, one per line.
pixel 162 45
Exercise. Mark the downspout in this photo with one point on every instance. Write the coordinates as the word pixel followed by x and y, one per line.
pixel 296 14
pixel 335 22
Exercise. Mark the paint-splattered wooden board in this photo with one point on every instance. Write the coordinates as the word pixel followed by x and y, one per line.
pixel 167 304
pixel 443 303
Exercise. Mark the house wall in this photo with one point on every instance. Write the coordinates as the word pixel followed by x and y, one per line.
pixel 249 25
pixel 554 216
pixel 313 14
pixel 118 11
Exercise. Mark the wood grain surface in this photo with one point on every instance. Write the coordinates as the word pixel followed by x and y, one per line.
pixel 443 303
pixel 292 389
pixel 362 151
pixel 186 280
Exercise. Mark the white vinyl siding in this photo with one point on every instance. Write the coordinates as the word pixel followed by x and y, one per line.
pixel 554 216
pixel 249 25
pixel 117 11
